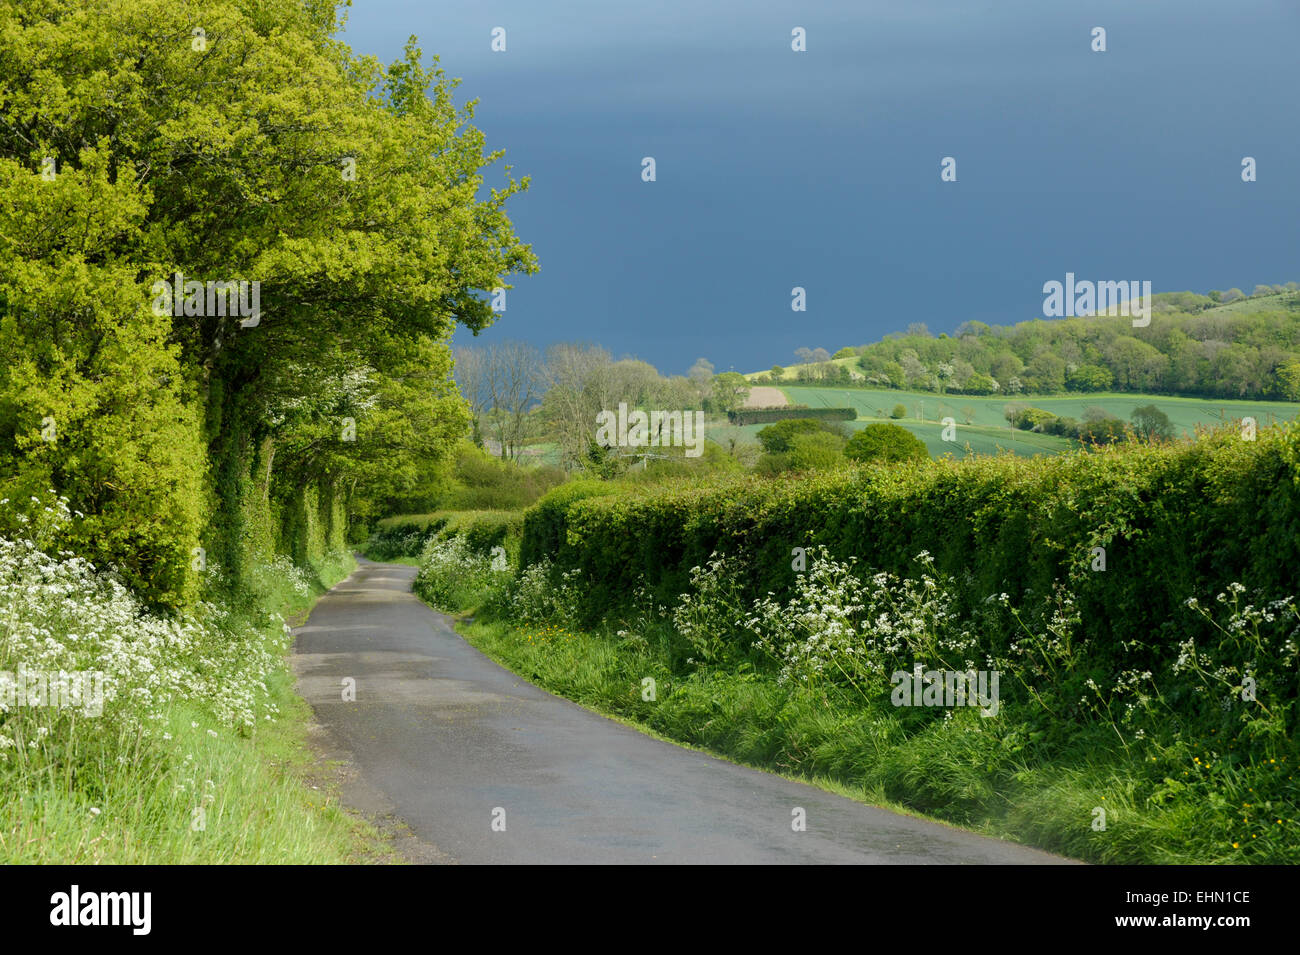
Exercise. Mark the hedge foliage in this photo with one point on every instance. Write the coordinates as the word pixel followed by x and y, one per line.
pixel 481 530
pixel 766 415
pixel 1175 521
pixel 545 523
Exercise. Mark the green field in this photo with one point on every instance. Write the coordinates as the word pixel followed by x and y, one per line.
pixel 981 439
pixel 988 429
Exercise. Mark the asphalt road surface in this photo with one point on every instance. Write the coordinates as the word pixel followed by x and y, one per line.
pixel 455 746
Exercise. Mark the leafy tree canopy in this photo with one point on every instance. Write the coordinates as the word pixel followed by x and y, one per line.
pixel 885 442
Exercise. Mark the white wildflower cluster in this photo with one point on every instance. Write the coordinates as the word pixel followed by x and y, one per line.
pixel 532 598
pixel 840 626
pixel 1050 647
pixel 281 570
pixel 1138 686
pixel 57 613
pixel 451 572
pixel 1256 650
pixel 706 616
pixel 446 564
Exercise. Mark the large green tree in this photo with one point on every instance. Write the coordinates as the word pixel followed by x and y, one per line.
pixel 885 442
pixel 229 140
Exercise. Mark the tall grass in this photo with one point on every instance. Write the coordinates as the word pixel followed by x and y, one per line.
pixel 192 750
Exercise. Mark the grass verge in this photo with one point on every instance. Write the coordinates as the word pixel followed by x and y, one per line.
pixel 986 776
pixel 192 788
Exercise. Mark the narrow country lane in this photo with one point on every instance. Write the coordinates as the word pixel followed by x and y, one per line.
pixel 448 737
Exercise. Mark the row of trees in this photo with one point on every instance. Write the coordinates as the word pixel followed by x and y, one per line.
pixel 519 394
pixel 1099 426
pixel 1190 347
pixel 1241 354
pixel 229 140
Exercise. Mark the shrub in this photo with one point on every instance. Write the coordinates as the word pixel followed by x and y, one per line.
pixel 452 577
pixel 64 616
pixel 980 384
pixel 1033 419
pixel 776 438
pixel 1152 424
pixel 482 531
pixel 1104 431
pixel 900 411
pixel 885 442
pixel 538 594
pixel 1089 378
pixel 843 626
pixel 543 528
pixel 485 482
pixel 1065 427
pixel 402 538
pixel 812 451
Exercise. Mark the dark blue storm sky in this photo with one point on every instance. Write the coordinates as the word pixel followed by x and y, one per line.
pixel 821 169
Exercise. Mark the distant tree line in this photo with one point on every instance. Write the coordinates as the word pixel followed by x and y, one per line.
pixel 1191 347
pixel 1099 426
pixel 519 394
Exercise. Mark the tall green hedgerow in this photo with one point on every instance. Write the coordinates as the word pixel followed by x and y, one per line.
pixel 545 522
pixel 1136 530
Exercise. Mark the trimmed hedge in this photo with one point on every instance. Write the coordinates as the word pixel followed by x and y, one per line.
pixel 544 522
pixel 1176 521
pixel 482 530
pixel 768 415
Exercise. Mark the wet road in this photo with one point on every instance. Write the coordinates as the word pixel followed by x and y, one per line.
pixel 485 768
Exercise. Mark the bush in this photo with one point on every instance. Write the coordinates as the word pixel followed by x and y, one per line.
pixel 885 442
pixel 1152 424
pixel 63 615
pixel 1103 431
pixel 1089 378
pixel 537 595
pixel 402 538
pixel 453 577
pixel 129 444
pixel 776 438
pixel 979 384
pixel 1032 419
pixel 168 704
pixel 815 450
pixel 485 482
pixel 544 528
pixel 482 531
pixel 900 411
pixel 1063 426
